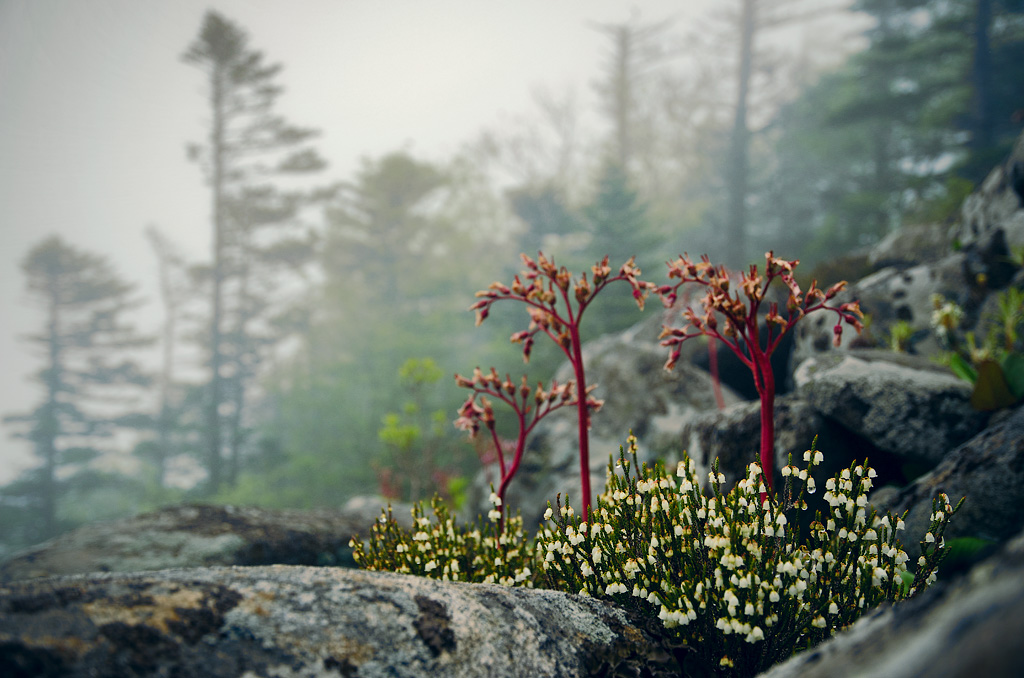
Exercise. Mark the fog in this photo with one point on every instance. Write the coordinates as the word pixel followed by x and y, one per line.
pixel 97 108
pixel 304 354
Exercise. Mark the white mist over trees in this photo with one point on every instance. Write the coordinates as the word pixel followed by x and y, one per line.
pixel 89 381
pixel 304 360
pixel 255 234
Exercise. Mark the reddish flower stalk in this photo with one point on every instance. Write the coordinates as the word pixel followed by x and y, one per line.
pixel 518 397
pixel 556 302
pixel 740 330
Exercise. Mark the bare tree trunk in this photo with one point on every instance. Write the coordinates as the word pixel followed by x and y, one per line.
pixel 738 169
pixel 217 150
pixel 48 427
pixel 165 417
pixel 982 114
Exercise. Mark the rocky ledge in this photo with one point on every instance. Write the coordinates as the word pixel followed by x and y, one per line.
pixel 306 622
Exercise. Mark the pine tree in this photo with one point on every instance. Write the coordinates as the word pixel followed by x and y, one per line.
pixel 255 227
pixel 89 377
pixel 921 114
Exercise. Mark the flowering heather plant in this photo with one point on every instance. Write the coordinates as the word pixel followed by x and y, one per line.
pixel 518 397
pixel 740 329
pixel 556 302
pixel 729 573
pixel 439 548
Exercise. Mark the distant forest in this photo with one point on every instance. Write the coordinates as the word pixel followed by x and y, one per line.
pixel 309 358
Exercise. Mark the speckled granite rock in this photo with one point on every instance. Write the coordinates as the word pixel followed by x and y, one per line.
pixel 969 264
pixel 197 535
pixel 915 414
pixel 303 622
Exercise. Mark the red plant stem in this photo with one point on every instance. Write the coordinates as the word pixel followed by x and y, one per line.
pixel 565 333
pixel 583 417
pixel 510 472
pixel 741 329
pixel 767 394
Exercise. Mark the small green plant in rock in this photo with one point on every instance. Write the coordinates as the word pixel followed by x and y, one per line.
pixel 900 335
pixel 995 366
pixel 730 573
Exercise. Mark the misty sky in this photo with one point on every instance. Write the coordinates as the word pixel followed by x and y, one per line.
pixel 96 108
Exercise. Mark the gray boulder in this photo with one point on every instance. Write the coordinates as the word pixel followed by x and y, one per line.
pixel 968 628
pixel 914 412
pixel 303 622
pixel 997 204
pixel 888 296
pixel 910 245
pixel 967 264
pixel 197 535
pixel 988 470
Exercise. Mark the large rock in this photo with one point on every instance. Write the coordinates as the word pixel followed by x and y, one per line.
pixel 910 245
pixel 913 412
pixel 965 629
pixel 197 535
pixel 997 204
pixel 988 470
pixel 888 296
pixel 966 265
pixel 302 622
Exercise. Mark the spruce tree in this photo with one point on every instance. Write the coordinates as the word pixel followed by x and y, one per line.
pixel 256 234
pixel 91 382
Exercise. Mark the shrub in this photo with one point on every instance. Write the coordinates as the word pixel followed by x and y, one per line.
pixel 728 574
pixel 488 552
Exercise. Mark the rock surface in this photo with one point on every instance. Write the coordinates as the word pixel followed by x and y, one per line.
pixel 303 622
pixel 916 414
pixel 964 629
pixel 988 470
pixel 997 204
pixel 197 535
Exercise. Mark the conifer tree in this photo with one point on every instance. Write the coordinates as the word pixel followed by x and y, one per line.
pixel 256 233
pixel 88 374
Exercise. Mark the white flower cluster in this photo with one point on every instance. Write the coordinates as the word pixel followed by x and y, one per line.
pixel 730 572
pixel 440 549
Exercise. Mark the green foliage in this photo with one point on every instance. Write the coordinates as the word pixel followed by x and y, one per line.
pixel 996 367
pixel 901 130
pixel 416 448
pixel 620 228
pixel 899 336
pixel 730 576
